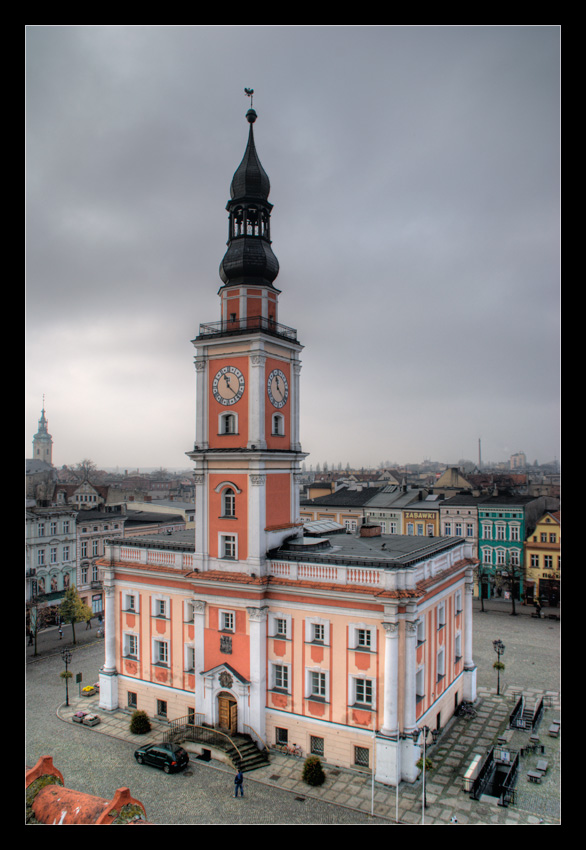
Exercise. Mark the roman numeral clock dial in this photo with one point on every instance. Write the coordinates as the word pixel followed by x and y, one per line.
pixel 228 385
pixel 278 388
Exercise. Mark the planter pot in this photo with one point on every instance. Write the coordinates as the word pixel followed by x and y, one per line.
pixel 91 720
pixel 79 716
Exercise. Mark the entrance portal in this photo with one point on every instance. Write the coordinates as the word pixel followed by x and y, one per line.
pixel 227 713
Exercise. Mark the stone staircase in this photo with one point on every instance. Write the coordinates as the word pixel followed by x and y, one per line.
pixel 250 757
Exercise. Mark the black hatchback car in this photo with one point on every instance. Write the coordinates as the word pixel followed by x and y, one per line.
pixel 169 757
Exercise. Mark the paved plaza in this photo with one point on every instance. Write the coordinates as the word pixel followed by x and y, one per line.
pixel 100 759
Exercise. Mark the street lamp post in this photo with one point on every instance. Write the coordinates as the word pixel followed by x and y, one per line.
pixel 66 656
pixel 499 648
pixel 434 734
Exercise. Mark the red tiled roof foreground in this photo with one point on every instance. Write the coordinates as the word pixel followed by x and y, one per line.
pixel 49 802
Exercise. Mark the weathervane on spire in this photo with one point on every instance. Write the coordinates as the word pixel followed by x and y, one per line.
pixel 249 93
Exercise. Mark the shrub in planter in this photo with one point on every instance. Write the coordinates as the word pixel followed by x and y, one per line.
pixel 140 723
pixel 313 772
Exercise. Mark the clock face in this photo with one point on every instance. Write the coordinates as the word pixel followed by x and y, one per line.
pixel 277 388
pixel 228 385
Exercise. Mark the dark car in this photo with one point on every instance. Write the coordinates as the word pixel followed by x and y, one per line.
pixel 169 757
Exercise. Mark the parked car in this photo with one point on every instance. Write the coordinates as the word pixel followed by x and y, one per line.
pixel 169 757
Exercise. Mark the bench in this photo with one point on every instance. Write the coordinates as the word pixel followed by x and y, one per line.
pixel 554 729
pixel 542 766
pixel 534 776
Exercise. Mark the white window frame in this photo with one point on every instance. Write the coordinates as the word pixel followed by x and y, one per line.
pixel 228 502
pixel 160 650
pixel 314 626
pixel 279 625
pixel 359 686
pixel 130 642
pixel 357 634
pixel 225 419
pixel 280 677
pixel 277 425
pixel 161 606
pixel 317 683
pixel 189 658
pixel 227 620
pixel 130 601
pixel 227 542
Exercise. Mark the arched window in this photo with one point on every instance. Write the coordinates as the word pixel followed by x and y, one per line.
pixel 228 502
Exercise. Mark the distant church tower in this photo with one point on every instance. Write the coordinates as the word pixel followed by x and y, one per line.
pixel 43 442
pixel 247 453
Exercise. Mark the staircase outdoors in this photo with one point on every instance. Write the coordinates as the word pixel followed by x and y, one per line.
pixel 241 749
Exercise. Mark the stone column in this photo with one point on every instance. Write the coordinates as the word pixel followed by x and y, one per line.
pixel 109 673
pixel 258 663
pixel 469 665
pixel 391 683
pixel 199 608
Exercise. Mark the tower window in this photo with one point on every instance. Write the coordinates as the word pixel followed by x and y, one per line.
pixel 228 502
pixel 228 423
pixel 278 425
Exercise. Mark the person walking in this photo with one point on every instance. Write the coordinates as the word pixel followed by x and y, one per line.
pixel 60 632
pixel 238 784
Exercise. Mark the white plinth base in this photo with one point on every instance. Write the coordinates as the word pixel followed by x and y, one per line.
pixel 108 691
pixel 395 761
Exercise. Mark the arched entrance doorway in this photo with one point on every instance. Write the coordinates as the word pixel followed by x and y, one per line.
pixel 227 713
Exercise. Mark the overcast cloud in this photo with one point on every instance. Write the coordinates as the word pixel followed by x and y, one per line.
pixel 415 181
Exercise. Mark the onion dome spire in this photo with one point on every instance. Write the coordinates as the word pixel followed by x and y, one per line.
pixel 249 258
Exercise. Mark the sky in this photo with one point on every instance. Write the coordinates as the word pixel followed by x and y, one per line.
pixel 415 176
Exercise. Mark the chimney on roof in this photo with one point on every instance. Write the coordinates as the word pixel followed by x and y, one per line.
pixel 370 530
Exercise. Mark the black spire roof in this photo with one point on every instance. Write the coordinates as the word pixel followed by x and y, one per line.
pixel 249 258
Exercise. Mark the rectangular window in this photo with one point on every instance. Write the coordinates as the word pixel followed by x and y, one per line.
pixel 161 652
pixel 53 555
pixel 316 745
pixel 161 708
pixel 458 647
pixel 227 621
pixel 280 627
pixel 363 691
pixel 281 677
pixel 228 546
pixel 130 646
pixel 161 608
pixel 281 735
pixel 361 757
pixel 131 699
pixel 317 684
pixel 441 665
pixel 363 638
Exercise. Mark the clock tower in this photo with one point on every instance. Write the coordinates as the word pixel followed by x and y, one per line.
pixel 247 453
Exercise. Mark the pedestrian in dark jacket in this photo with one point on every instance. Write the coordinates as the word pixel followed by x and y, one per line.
pixel 238 783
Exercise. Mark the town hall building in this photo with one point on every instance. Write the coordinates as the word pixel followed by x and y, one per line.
pixel 346 643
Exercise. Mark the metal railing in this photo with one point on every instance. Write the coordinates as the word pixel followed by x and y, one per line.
pixel 184 729
pixel 242 326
